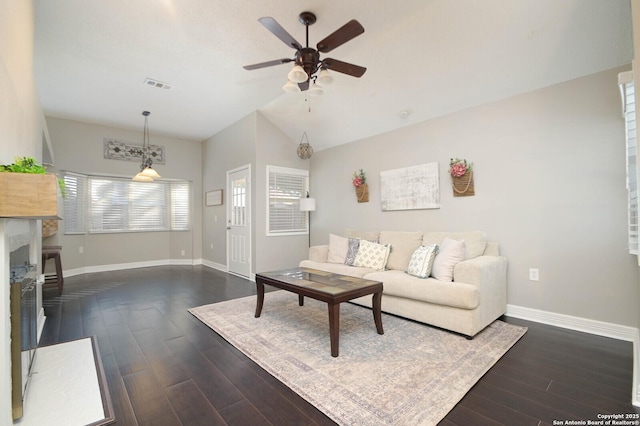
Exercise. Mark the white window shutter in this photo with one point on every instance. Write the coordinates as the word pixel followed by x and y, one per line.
pixel 627 89
pixel 285 189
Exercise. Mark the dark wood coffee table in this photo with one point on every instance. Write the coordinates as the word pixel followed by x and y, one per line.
pixel 327 287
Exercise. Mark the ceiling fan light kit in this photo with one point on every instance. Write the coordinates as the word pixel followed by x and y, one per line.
pixel 316 90
pixel 324 77
pixel 298 75
pixel 291 87
pixel 309 69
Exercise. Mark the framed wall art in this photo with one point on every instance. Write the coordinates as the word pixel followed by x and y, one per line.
pixel 410 188
pixel 213 198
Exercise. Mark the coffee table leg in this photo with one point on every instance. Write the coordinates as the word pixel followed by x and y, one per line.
pixel 377 311
pixel 260 289
pixel 300 300
pixel 334 327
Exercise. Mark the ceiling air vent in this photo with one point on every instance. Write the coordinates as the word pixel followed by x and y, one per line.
pixel 158 84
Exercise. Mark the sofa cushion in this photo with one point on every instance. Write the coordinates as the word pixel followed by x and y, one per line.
pixel 336 268
pixel 476 241
pixel 403 244
pixel 338 247
pixel 372 255
pixel 450 254
pixel 421 261
pixel 352 251
pixel 373 236
pixel 430 290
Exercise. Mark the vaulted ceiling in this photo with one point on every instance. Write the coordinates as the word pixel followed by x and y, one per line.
pixel 424 58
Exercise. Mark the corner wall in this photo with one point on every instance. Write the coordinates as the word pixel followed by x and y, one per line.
pixel 550 188
pixel 255 141
pixel 79 148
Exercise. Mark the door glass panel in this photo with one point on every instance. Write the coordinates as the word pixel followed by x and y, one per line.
pixel 238 199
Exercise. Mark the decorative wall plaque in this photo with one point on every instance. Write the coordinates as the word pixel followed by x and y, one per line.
pixel 127 151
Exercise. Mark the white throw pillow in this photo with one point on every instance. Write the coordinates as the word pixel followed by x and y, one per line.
pixel 450 254
pixel 421 261
pixel 338 247
pixel 372 255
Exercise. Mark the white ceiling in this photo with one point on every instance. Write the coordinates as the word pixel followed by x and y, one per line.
pixel 426 57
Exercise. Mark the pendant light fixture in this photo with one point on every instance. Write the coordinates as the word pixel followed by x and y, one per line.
pixel 305 151
pixel 147 173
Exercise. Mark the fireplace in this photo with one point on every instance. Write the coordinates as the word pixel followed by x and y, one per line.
pixel 23 310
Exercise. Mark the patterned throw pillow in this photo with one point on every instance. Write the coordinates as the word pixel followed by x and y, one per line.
pixel 352 251
pixel 422 261
pixel 372 255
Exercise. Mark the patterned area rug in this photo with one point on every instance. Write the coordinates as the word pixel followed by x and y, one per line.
pixel 411 375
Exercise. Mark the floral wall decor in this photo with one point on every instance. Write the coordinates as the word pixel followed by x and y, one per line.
pixel 461 177
pixel 359 181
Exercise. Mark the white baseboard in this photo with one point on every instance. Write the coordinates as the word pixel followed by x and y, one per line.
pixel 615 331
pixel 131 265
pixel 214 265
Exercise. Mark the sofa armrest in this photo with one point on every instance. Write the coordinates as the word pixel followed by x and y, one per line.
pixel 319 253
pixel 489 274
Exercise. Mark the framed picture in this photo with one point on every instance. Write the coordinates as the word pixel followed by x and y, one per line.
pixel 410 188
pixel 214 198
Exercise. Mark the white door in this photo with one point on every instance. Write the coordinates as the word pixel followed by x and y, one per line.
pixel 239 221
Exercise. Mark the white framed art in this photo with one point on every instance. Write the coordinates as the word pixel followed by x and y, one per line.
pixel 410 188
pixel 214 198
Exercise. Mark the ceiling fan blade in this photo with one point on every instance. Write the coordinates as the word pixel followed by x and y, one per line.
pixel 277 30
pixel 340 36
pixel 304 86
pixel 343 67
pixel 267 64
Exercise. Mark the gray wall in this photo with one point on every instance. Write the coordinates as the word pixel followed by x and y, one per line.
pixel 274 148
pixel 227 150
pixel 78 147
pixel 550 187
pixel 255 141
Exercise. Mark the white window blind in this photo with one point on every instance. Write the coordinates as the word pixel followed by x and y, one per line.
pixel 627 89
pixel 109 204
pixel 75 203
pixel 285 189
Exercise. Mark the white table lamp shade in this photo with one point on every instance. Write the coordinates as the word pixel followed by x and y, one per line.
pixel 307 204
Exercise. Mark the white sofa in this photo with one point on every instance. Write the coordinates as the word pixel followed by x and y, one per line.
pixel 475 298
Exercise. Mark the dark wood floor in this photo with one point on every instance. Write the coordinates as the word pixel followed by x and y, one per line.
pixel 164 367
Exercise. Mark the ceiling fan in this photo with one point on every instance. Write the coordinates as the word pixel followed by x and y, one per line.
pixel 307 59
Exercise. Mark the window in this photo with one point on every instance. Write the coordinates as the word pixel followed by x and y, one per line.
pixel 108 204
pixel 627 89
pixel 285 188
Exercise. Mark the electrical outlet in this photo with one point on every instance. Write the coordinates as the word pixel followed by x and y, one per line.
pixel 534 274
pixel 182 252
pixel 80 249
pixel 211 246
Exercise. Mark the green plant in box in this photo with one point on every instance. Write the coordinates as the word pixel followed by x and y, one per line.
pixel 29 165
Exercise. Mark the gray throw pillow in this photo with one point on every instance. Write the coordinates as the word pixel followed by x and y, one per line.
pixel 352 251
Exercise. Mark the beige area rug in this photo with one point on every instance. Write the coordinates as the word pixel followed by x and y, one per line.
pixel 412 375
